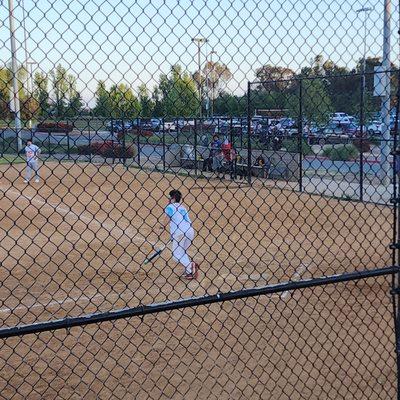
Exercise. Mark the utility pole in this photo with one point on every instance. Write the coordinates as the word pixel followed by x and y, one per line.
pixel 29 84
pixel 365 10
pixel 212 82
pixel 385 111
pixel 15 91
pixel 199 42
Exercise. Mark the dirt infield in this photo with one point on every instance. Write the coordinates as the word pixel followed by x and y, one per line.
pixel 75 244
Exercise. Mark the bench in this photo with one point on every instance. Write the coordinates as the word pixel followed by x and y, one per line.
pixel 190 163
pixel 279 171
pixel 256 170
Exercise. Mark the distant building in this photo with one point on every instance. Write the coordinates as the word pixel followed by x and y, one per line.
pixel 271 113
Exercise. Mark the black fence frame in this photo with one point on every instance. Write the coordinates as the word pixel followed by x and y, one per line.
pixel 300 116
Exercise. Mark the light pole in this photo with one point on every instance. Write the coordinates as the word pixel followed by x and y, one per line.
pixel 14 63
pixel 199 41
pixel 30 87
pixel 385 111
pixel 212 82
pixel 29 83
pixel 364 10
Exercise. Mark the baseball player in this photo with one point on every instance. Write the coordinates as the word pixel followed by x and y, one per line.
pixel 181 231
pixel 32 154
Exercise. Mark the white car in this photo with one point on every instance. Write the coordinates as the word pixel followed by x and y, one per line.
pixel 155 123
pixel 375 127
pixel 169 126
pixel 340 118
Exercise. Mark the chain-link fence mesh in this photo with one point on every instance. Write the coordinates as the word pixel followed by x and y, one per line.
pixel 330 342
pixel 278 128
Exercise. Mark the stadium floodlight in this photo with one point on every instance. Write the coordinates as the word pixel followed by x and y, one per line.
pixel 200 41
pixel 14 66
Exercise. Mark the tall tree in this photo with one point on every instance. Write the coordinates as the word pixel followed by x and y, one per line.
pixel 156 100
pixel 228 104
pixel 60 89
pixel 74 100
pixel 275 78
pixel 180 97
pixel 41 93
pixel 6 90
pixel 146 104
pixel 124 104
pixel 103 101
pixel 67 100
pixel 4 93
pixel 316 101
pixel 212 78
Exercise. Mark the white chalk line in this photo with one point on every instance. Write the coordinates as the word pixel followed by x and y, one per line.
pixel 76 301
pixel 137 237
pixel 65 210
pixel 300 270
pixel 7 310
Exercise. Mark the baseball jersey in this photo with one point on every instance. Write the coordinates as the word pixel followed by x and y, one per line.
pixel 31 151
pixel 180 221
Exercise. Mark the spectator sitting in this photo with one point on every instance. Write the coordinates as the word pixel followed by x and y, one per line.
pixel 204 141
pixel 264 164
pixel 216 155
pixel 217 164
pixel 241 169
pixel 231 158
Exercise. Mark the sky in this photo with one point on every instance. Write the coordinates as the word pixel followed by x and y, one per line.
pixel 133 41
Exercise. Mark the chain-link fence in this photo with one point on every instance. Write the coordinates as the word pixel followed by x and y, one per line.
pixel 191 208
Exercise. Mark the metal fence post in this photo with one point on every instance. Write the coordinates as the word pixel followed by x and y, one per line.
pixel 248 134
pixel 396 237
pixel 123 144
pixel 195 146
pixel 231 139
pixel 68 147
pixel 241 133
pixel 163 143
pixel 90 146
pixel 300 136
pixel 49 143
pixel 138 139
pixel 362 116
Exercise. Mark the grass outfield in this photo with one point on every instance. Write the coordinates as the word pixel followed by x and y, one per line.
pixel 10 159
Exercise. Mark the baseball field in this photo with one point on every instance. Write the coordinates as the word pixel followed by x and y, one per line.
pixel 75 244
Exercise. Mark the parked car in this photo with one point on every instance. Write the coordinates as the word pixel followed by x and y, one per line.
pixel 375 127
pixel 286 123
pixel 118 125
pixel 350 129
pixel 156 123
pixel 340 117
pixel 330 134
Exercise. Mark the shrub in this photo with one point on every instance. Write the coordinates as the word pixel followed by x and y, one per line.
pixel 84 150
pixel 60 127
pixel 108 149
pixel 344 152
pixel 136 131
pixel 363 146
pixel 292 146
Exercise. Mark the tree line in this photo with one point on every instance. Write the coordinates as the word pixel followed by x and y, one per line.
pixel 325 87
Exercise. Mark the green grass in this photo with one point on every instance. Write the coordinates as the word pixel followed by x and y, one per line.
pixel 10 159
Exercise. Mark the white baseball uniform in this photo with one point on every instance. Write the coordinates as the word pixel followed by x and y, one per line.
pixel 182 234
pixel 32 152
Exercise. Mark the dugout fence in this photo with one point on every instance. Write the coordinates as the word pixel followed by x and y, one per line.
pixel 295 208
